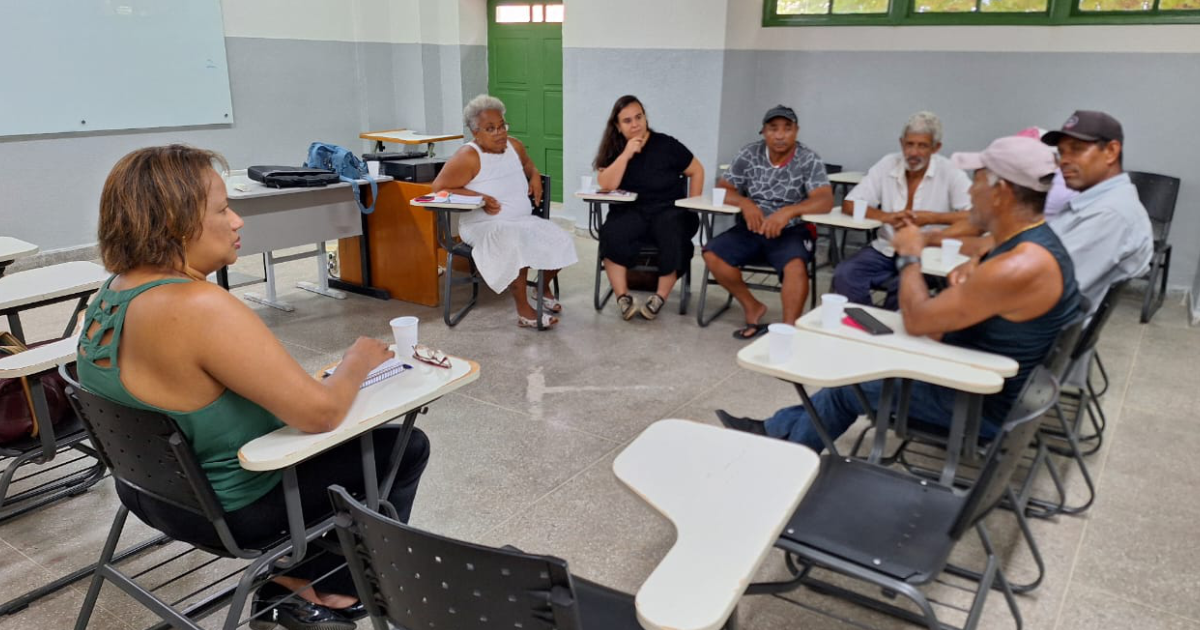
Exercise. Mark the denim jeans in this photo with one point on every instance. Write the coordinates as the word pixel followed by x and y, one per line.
pixel 867 269
pixel 839 407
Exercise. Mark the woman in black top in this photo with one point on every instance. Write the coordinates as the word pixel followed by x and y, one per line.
pixel 635 158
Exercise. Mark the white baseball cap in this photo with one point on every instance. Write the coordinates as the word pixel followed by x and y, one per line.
pixel 1020 160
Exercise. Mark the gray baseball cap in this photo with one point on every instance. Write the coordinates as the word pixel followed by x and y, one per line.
pixel 1022 161
pixel 780 111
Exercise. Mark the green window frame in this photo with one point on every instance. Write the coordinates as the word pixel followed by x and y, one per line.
pixel 1057 13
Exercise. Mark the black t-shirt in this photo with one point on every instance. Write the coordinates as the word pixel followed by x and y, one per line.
pixel 655 173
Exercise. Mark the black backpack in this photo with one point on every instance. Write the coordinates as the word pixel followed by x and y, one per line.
pixel 292 176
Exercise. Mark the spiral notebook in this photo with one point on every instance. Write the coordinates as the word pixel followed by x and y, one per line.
pixel 386 370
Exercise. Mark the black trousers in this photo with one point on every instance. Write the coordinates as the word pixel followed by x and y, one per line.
pixel 265 520
pixel 627 229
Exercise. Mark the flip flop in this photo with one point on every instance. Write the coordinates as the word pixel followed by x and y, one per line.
pixel 754 330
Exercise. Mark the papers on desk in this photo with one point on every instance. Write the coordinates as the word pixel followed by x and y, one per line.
pixel 618 193
pixel 386 370
pixel 443 196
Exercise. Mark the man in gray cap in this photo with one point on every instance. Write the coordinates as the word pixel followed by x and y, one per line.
pixel 1105 226
pixel 1015 304
pixel 773 181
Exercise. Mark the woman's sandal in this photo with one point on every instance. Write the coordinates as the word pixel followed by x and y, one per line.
pixel 548 321
pixel 551 304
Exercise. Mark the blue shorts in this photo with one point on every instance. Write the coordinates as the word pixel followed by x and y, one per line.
pixel 738 246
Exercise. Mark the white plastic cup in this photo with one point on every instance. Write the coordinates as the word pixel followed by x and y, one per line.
pixel 404 329
pixel 373 167
pixel 781 339
pixel 950 248
pixel 860 209
pixel 718 196
pixel 585 184
pixel 833 306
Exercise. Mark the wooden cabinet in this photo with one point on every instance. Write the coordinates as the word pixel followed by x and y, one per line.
pixel 404 250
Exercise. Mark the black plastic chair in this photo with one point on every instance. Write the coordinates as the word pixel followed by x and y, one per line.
pixel 416 579
pixel 647 259
pixel 150 457
pixel 41 454
pixel 1158 194
pixel 456 248
pixel 897 531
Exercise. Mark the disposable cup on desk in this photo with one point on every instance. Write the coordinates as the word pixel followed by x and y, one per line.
pixel 781 340
pixel 860 209
pixel 718 197
pixel 404 329
pixel 373 167
pixel 950 249
pixel 833 306
pixel 585 184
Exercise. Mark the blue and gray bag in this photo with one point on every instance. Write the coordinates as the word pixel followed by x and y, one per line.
pixel 347 166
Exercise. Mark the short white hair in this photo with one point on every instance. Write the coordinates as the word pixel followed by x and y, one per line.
pixel 478 105
pixel 923 122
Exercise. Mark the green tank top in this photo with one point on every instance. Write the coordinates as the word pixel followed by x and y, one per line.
pixel 215 431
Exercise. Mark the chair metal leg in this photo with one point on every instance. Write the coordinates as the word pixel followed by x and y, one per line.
pixel 106 554
pixel 1103 374
pixel 1156 286
pixel 448 282
pixel 701 303
pixel 597 301
pixel 685 291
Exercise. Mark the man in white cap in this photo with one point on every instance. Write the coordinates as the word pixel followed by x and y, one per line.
pixel 1015 304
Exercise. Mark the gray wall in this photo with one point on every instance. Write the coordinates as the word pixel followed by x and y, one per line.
pixel 286 94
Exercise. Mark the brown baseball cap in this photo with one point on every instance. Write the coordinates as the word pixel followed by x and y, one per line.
pixel 1089 126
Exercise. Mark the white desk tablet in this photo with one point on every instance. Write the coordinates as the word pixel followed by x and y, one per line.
pixel 47 283
pixel 902 341
pixel 704 203
pixel 729 495
pixel 932 263
pixel 839 220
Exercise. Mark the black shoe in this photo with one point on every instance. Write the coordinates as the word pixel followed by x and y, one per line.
pixel 294 614
pixel 746 425
pixel 352 613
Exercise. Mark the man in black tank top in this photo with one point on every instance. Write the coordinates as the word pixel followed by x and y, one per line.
pixel 1015 304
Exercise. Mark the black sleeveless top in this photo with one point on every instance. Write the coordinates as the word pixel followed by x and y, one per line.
pixel 1029 342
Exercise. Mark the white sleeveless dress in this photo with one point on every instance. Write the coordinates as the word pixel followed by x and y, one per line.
pixel 504 243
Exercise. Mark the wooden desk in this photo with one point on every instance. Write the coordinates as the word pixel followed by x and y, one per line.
pixel 374 405
pixel 932 263
pixel 402 246
pixel 12 249
pixel 901 340
pixel 406 136
pixel 277 218
pixel 49 285
pixel 729 495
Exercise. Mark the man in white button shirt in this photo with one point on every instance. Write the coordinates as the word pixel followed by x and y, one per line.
pixel 915 184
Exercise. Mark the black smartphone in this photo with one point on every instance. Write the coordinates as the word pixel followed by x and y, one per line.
pixel 864 319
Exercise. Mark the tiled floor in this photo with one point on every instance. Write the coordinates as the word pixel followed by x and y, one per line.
pixel 523 456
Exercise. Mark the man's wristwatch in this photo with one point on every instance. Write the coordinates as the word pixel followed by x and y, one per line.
pixel 904 261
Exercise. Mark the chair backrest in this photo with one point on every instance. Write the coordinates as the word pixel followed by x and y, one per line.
pixel 543 209
pixel 1158 193
pixel 1091 334
pixel 421 580
pixel 1007 449
pixel 830 169
pixel 147 453
pixel 1063 351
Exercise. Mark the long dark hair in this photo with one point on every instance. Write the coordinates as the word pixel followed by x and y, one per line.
pixel 612 143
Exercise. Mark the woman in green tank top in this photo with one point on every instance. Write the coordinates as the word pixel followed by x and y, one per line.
pixel 160 337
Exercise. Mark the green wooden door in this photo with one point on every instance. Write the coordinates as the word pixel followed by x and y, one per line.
pixel 525 71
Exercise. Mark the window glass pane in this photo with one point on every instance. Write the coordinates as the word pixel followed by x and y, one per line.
pixel 1013 6
pixel 802 7
pixel 510 13
pixel 1116 5
pixel 860 6
pixel 554 13
pixel 537 13
pixel 944 6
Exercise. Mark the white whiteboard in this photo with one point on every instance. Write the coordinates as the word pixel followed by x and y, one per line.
pixel 92 65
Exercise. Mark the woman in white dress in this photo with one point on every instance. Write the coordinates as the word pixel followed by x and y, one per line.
pixel 506 238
